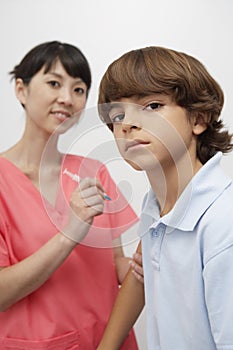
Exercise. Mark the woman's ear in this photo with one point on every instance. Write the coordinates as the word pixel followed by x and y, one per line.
pixel 21 91
pixel 199 123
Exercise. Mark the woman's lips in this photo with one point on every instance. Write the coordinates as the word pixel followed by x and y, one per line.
pixel 61 115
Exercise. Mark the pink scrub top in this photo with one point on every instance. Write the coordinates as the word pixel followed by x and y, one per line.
pixel 71 309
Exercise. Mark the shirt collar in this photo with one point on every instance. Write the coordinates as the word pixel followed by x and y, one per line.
pixel 209 182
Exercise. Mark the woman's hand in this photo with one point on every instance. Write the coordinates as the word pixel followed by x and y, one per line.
pixel 136 266
pixel 87 201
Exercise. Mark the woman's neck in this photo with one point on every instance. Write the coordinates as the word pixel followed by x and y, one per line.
pixel 29 155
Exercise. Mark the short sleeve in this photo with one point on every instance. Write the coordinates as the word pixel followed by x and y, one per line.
pixel 4 257
pixel 218 277
pixel 120 212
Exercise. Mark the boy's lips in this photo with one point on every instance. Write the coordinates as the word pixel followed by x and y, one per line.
pixel 135 143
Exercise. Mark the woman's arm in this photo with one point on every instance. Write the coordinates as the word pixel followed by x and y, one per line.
pixel 128 306
pixel 21 279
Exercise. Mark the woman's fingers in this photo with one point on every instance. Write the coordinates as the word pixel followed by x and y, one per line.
pixel 137 268
pixel 90 187
pixel 86 202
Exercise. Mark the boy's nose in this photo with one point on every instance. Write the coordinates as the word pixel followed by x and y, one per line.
pixel 132 118
pixel 130 125
pixel 131 121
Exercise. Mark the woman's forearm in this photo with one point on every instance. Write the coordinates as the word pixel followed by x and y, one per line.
pixel 19 280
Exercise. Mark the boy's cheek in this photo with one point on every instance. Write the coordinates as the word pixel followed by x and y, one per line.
pixel 120 144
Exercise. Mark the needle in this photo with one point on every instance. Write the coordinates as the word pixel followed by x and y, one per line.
pixel 77 178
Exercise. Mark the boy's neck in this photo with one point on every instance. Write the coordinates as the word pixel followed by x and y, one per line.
pixel 168 183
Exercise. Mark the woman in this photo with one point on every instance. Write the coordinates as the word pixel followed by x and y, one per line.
pixel 55 292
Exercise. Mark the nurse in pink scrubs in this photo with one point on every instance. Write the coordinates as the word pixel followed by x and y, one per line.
pixel 58 275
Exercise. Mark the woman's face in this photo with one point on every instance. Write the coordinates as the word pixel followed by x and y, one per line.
pixel 52 101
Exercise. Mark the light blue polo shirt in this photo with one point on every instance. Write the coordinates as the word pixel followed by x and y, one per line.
pixel 188 265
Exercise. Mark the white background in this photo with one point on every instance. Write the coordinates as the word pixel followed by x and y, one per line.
pixel 104 30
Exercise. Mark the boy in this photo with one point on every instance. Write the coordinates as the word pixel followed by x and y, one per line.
pixel 164 110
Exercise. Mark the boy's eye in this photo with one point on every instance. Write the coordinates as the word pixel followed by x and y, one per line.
pixel 117 118
pixel 153 106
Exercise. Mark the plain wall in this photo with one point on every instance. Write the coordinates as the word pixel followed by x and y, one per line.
pixel 104 30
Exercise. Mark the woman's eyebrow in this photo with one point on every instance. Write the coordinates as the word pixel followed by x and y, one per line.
pixel 55 74
pixel 78 80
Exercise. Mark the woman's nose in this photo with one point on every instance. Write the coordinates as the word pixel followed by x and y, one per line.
pixel 65 96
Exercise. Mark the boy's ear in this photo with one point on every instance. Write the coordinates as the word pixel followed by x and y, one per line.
pixel 20 90
pixel 199 123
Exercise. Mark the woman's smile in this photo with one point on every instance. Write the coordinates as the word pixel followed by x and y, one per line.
pixel 61 115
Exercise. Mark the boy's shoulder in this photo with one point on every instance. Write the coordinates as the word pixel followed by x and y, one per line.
pixel 222 207
pixel 215 228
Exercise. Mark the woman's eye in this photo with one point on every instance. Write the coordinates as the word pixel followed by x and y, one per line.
pixel 80 90
pixel 117 118
pixel 153 105
pixel 54 83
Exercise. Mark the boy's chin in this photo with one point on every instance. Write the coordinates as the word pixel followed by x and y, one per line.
pixel 134 165
pixel 145 165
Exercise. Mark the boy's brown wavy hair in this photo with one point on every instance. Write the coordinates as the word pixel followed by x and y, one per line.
pixel 161 70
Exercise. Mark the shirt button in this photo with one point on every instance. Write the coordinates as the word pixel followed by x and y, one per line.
pixel 153 232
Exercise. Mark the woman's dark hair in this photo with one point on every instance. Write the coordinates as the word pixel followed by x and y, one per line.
pixel 153 70
pixel 46 54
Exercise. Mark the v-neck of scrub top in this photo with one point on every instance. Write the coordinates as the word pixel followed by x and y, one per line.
pixel 58 205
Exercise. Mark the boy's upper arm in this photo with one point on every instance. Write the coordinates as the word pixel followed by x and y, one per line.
pixel 121 262
pixel 218 283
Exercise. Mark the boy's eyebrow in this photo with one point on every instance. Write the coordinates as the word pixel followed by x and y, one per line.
pixel 115 105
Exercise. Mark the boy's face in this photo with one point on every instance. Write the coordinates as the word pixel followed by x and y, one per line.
pixel 152 131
